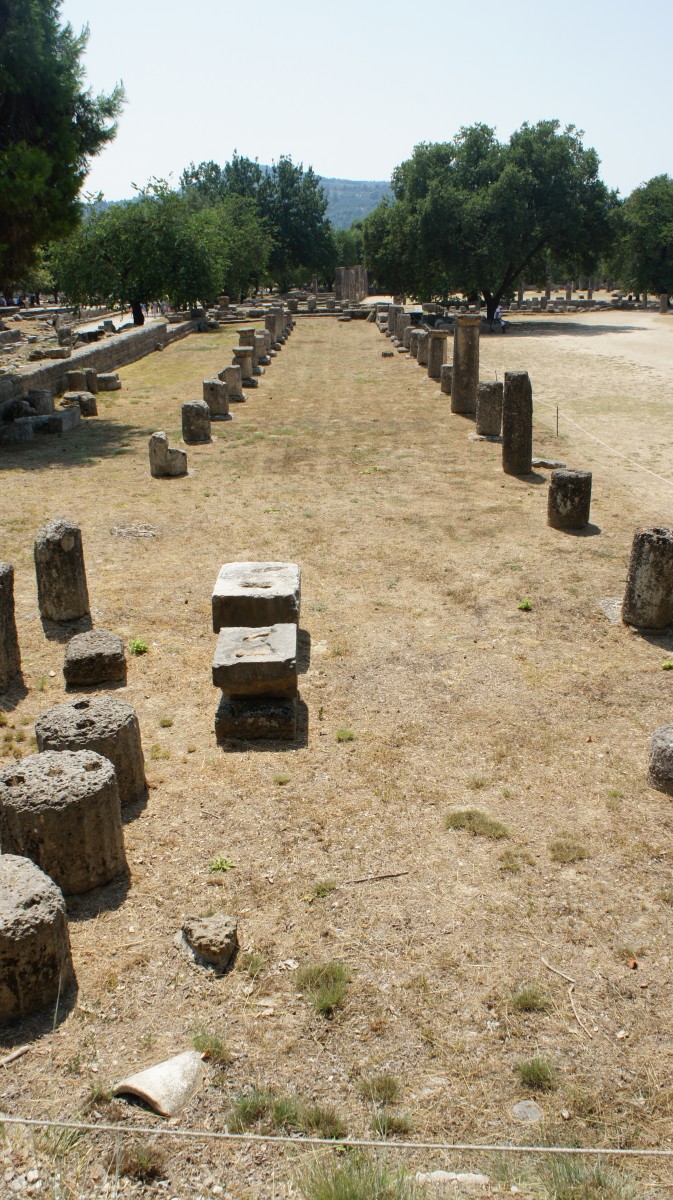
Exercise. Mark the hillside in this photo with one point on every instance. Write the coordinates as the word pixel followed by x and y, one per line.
pixel 349 199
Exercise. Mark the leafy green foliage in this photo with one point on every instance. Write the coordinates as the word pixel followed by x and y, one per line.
pixel 221 864
pixel 644 252
pixel 148 249
pixel 50 128
pixel 137 647
pixel 475 215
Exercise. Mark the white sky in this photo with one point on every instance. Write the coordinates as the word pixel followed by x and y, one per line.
pixel 350 87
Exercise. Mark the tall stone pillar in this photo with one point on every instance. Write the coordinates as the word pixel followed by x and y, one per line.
pixel 437 353
pixel 339 284
pixel 62 592
pixel 465 365
pixel 517 424
pixel 10 655
pixel 663 302
pixel 569 292
pixel 648 600
pixel 519 295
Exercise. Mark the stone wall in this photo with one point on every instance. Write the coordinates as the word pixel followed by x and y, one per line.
pixel 115 351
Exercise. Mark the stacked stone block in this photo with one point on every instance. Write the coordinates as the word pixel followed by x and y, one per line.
pixel 255 608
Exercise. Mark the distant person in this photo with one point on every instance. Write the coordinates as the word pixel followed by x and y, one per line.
pixel 497 318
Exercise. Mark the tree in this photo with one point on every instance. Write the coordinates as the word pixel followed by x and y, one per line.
pixel 643 256
pixel 230 193
pixel 144 250
pixel 289 200
pixel 477 215
pixel 50 128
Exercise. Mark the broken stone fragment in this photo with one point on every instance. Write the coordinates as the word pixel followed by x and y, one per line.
pixel 211 940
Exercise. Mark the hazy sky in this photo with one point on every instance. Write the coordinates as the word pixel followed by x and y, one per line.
pixel 351 87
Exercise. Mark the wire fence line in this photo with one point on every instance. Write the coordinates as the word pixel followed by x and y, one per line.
pixel 172 1131
pixel 631 461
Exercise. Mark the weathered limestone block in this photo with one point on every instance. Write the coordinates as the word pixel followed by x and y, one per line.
pixel 436 353
pixel 61 809
pixel 445 377
pixel 62 593
pixel 465 365
pixel 10 655
pixel 41 400
pixel 76 381
pixel 35 959
pixel 102 724
pixel 215 396
pixel 109 381
pixel 311 304
pixel 256 662
pixel 195 423
pixel 243 359
pixel 256 594
pixel 648 601
pixel 270 324
pixel 91 380
pixel 243 718
pixel 166 461
pixel 406 336
pixel 85 400
pixel 63 421
pixel 517 424
pixel 413 341
pixel 232 379
pixel 213 941
pixel 261 347
pixel 569 500
pixel 660 767
pixel 423 348
pixel 96 656
pixel 489 409
pixel 293 306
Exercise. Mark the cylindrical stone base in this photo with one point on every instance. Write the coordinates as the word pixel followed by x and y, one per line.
pixel 465 365
pixel 195 423
pixel 62 592
pixel 648 601
pixel 243 360
pixel 107 726
pixel 77 381
pixel 436 354
pixel 489 409
pixel 517 424
pixel 215 396
pixel 445 378
pixel 10 655
pixel 413 341
pixel 660 767
pixel 569 501
pixel 61 809
pixel 35 960
pixel 423 348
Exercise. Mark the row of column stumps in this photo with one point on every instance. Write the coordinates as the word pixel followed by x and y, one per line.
pixel 256 350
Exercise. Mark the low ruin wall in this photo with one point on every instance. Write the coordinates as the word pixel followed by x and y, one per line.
pixel 115 351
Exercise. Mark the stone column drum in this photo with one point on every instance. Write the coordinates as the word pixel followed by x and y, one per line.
pixel 62 592
pixel 660 766
pixel 261 336
pixel 166 462
pixel 246 337
pixel 243 359
pixel 517 424
pixel 648 601
pixel 10 655
pixel 445 378
pixel 569 500
pixel 270 325
pixel 215 396
pixel 35 959
pixel 437 353
pixel 232 378
pixel 195 423
pixel 489 409
pixel 61 809
pixel 423 348
pixel 103 724
pixel 465 365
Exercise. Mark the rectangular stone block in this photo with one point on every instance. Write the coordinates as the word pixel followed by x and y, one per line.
pixel 256 593
pixel 215 396
pixel 63 421
pixel 239 718
pixel 256 662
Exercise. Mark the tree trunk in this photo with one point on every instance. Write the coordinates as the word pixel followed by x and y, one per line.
pixel 491 305
pixel 138 314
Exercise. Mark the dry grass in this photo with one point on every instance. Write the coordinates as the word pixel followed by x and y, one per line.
pixel 443 679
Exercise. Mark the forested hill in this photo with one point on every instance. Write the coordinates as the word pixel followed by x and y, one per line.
pixel 349 199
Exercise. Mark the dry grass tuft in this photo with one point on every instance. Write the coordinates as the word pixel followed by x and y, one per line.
pixel 476 822
pixel 325 985
pixel 567 849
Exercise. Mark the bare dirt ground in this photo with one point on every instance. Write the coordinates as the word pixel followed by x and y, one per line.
pixel 416 552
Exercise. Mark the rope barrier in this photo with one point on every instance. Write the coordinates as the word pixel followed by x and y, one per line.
pixel 606 446
pixel 357 1143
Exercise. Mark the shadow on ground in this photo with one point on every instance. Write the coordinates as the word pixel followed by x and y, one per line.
pixel 554 328
pixel 84 447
